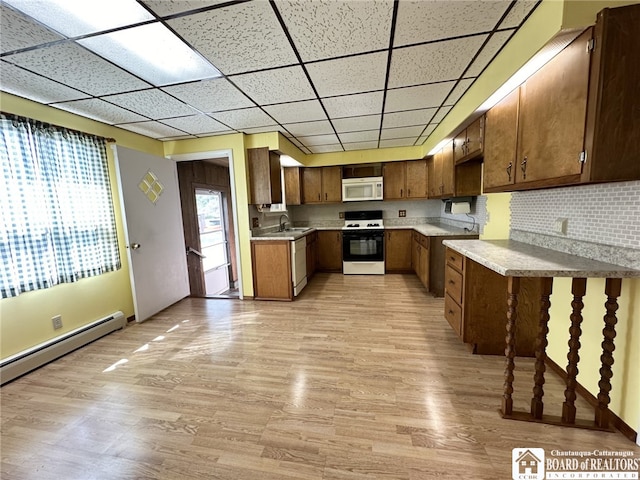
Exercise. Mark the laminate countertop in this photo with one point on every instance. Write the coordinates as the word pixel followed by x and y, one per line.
pixel 516 259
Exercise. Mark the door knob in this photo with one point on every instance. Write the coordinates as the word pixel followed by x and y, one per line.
pixel 134 246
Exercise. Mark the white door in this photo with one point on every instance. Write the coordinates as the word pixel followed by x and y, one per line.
pixel 153 230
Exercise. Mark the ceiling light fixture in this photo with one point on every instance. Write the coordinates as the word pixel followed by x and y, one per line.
pixel 439 146
pixel 287 161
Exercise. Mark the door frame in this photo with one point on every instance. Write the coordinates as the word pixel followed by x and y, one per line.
pixel 187 157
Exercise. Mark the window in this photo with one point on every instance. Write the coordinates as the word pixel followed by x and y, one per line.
pixel 57 223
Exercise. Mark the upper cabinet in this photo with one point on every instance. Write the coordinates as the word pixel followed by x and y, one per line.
pixel 442 173
pixel 264 176
pixel 322 185
pixel 573 121
pixel 468 144
pixel 404 180
pixel 292 186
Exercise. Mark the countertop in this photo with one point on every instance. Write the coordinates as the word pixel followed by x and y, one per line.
pixel 427 229
pixel 516 259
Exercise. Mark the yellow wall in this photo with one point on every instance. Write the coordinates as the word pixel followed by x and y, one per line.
pixel 625 395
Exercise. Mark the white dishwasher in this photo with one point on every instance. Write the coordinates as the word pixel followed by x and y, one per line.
pixel 299 265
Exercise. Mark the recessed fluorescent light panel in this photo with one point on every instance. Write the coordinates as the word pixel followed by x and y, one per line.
pixel 74 18
pixel 439 146
pixel 153 53
pixel 287 161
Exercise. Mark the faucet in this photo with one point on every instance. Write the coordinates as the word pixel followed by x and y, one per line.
pixel 282 224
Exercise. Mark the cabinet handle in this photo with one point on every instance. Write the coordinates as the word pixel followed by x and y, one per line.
pixel 326 197
pixel 450 312
pixel 319 197
pixel 408 192
pixel 453 259
pixel 523 167
pixel 509 170
pixel 401 192
pixel 451 282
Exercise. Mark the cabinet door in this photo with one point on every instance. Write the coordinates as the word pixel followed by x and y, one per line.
pixel 460 146
pixel 553 109
pixel 394 180
pixel 264 176
pixel 331 184
pixel 448 172
pixel 292 190
pixel 330 250
pixel 272 270
pixel 415 253
pixel 423 270
pixel 311 185
pixel 501 143
pixel 397 249
pixel 416 180
pixel 433 186
pixel 475 139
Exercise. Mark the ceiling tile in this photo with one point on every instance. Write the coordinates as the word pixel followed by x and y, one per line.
pixel 76 67
pixel 337 27
pixel 170 7
pixel 353 105
pixel 196 124
pixel 210 95
pixel 315 140
pixel 342 76
pixel 178 137
pixel 441 114
pixel 360 145
pixel 357 124
pixel 398 142
pixel 401 132
pixel 275 86
pixel 422 96
pixel 434 62
pixel 34 87
pixel 517 14
pixel 20 31
pixel 305 111
pixel 238 38
pixel 429 20
pixel 409 118
pixel 309 128
pixel 101 111
pixel 245 118
pixel 152 103
pixel 366 136
pixel 428 131
pixel 152 129
pixel 489 51
pixel 327 148
pixel 460 90
pixel 268 128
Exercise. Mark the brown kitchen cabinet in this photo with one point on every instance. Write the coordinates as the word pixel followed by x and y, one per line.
pixel 441 173
pixel 403 180
pixel 312 254
pixel 329 250
pixel 271 261
pixel 292 186
pixel 322 184
pixel 420 257
pixel 468 144
pixel 574 119
pixel 474 306
pixel 264 176
pixel 397 251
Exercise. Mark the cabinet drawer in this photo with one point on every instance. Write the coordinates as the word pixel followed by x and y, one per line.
pixel 454 259
pixel 453 314
pixel 424 241
pixel 453 284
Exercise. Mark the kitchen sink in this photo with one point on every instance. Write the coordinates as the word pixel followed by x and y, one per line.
pixel 297 229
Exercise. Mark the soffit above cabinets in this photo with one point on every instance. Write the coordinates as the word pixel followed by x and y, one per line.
pixel 331 75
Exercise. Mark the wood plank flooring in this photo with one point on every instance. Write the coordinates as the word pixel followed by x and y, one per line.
pixel 360 378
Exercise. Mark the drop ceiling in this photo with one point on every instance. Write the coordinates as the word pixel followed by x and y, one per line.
pixel 329 75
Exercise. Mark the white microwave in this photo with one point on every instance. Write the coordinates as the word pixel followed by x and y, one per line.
pixel 361 189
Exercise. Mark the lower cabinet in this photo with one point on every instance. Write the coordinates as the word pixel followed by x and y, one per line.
pixel 329 250
pixel 272 270
pixel 397 251
pixel 312 254
pixel 475 305
pixel 420 257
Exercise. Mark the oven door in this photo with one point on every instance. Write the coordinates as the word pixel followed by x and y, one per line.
pixel 363 246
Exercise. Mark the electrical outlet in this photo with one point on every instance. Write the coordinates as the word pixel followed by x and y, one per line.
pixel 255 223
pixel 561 225
pixel 402 213
pixel 487 216
pixel 57 322
pixel 340 214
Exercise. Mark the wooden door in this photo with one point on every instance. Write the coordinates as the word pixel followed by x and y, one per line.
pixel 331 184
pixel 501 143
pixel 416 180
pixel 311 185
pixel 460 146
pixel 397 249
pixel 553 109
pixel 292 186
pixel 475 138
pixel 448 172
pixel 433 186
pixel 330 250
pixel 394 180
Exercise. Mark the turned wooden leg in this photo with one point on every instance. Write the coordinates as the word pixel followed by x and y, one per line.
pixel 513 288
pixel 537 406
pixel 578 289
pixel 613 287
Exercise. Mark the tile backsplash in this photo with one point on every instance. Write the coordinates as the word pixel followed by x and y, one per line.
pixel 607 214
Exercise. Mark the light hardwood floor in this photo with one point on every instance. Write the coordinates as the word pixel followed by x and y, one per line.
pixel 359 378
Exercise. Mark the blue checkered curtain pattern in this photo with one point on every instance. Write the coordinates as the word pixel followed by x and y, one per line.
pixel 57 223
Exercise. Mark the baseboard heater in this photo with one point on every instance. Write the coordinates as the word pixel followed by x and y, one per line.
pixel 24 362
